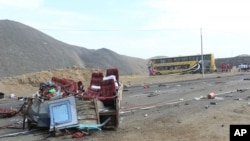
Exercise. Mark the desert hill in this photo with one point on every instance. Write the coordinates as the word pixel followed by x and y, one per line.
pixel 25 50
pixel 233 61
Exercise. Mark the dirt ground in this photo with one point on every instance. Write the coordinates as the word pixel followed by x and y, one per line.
pixel 171 108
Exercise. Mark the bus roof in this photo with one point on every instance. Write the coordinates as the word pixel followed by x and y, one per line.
pixel 162 57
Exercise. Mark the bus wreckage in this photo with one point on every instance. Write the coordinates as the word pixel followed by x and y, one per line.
pixel 181 64
pixel 63 104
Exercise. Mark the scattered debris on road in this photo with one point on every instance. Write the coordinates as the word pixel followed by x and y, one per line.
pixel 155 93
pixel 238 99
pixel 162 85
pixel 241 90
pixel 211 95
pixel 218 98
pixel 206 106
pixel 199 98
pixel 213 103
pixel 1 95
pixel 146 86
pixel 63 105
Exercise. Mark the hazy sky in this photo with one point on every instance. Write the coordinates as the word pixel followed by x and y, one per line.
pixel 140 28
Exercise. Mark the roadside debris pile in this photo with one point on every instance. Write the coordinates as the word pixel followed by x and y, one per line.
pixel 62 106
pixel 1 95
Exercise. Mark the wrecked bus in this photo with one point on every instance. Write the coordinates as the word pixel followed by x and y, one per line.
pixel 65 104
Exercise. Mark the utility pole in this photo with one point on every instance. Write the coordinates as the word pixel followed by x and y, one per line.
pixel 202 59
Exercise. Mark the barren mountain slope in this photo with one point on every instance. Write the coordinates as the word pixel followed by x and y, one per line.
pixel 25 49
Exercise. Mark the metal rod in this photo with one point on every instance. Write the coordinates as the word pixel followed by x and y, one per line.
pixel 202 59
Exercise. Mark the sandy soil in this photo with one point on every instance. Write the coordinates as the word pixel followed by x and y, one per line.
pixel 173 114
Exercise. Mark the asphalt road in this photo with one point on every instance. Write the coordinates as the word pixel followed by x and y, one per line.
pixel 183 90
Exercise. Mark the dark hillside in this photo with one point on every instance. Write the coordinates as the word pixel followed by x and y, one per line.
pixel 104 58
pixel 25 49
pixel 233 61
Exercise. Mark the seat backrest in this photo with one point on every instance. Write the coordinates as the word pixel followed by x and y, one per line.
pixel 97 74
pixel 65 84
pixel 96 79
pixel 108 88
pixel 72 85
pixel 95 82
pixel 113 71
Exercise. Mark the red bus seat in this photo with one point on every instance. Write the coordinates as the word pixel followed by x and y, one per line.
pixel 108 92
pixel 113 71
pixel 95 82
pixel 67 85
pixel 90 94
